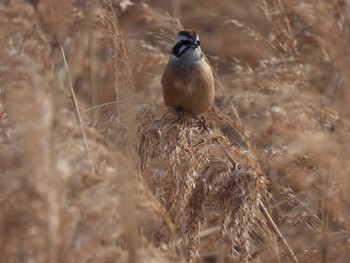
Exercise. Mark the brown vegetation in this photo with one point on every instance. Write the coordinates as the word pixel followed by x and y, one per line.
pixel 93 167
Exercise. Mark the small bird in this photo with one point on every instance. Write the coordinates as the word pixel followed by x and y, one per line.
pixel 188 82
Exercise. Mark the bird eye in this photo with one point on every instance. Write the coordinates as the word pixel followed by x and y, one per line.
pixel 198 42
pixel 186 42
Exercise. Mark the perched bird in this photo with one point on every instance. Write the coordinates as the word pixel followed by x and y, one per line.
pixel 188 82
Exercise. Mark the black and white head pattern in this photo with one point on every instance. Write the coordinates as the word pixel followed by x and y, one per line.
pixel 187 40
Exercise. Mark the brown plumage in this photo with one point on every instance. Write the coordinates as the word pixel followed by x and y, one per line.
pixel 188 81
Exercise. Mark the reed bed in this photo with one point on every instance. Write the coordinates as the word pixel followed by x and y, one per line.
pixel 94 168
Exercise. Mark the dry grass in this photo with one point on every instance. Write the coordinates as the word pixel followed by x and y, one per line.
pixel 142 184
pixel 220 184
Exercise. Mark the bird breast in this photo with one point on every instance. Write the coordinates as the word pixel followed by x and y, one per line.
pixel 189 86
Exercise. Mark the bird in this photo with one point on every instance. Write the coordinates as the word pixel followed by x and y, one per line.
pixel 187 80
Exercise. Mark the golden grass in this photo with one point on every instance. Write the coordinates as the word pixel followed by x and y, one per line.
pixel 93 167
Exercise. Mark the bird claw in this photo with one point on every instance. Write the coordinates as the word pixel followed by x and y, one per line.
pixel 203 123
pixel 180 111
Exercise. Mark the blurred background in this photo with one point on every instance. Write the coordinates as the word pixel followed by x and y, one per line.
pixel 281 76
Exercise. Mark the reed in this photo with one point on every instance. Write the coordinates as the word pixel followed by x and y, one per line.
pixel 94 168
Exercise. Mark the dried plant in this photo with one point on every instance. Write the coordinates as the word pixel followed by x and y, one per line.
pixel 162 184
pixel 197 175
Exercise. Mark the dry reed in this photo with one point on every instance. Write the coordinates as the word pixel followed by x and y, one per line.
pixel 281 116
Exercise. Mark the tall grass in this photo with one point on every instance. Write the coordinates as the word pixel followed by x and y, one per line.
pixel 93 167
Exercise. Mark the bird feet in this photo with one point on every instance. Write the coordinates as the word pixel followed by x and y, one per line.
pixel 180 111
pixel 203 123
pixel 201 119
